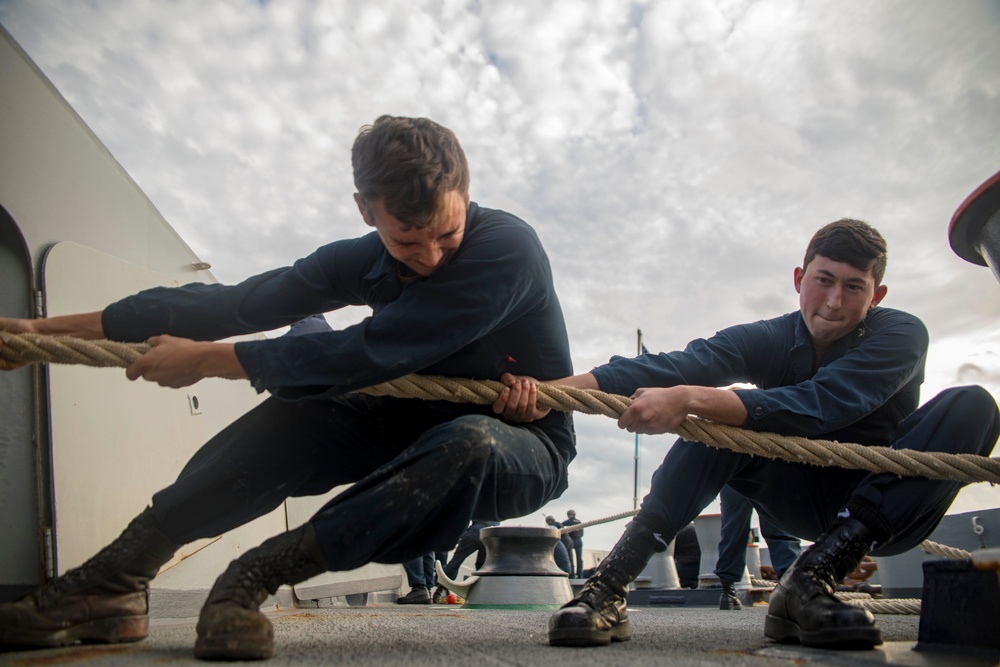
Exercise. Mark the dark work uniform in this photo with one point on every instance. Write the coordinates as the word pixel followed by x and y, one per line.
pixel 687 556
pixel 736 511
pixel 423 468
pixel 468 542
pixel 865 390
pixel 576 539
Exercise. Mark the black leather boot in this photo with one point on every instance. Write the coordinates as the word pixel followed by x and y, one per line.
pixel 231 626
pixel 803 607
pixel 598 616
pixel 105 600
pixel 729 600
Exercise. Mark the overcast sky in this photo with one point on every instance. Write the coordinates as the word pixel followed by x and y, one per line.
pixel 674 157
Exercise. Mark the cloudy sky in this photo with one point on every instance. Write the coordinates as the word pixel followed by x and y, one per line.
pixel 674 157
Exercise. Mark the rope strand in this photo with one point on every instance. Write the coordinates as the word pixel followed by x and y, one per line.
pixel 21 349
pixel 32 348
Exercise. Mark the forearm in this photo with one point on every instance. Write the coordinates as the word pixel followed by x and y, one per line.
pixel 719 405
pixel 219 360
pixel 662 409
pixel 581 381
pixel 81 325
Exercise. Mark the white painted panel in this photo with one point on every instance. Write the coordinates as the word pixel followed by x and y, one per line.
pixel 116 442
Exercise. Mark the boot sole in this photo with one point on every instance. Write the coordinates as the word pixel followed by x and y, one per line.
pixel 784 631
pixel 233 647
pixel 116 630
pixel 588 637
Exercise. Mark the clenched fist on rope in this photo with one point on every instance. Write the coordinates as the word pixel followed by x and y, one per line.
pixel 652 410
pixel 180 362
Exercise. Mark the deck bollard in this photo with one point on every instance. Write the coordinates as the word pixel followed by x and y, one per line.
pixel 519 572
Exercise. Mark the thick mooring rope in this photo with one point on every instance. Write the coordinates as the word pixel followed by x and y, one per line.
pixel 31 348
pixel 902 606
pixel 35 348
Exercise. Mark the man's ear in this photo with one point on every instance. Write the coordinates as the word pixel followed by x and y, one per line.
pixel 363 209
pixel 880 293
pixel 797 279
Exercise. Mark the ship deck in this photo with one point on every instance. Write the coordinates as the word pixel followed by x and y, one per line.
pixel 387 635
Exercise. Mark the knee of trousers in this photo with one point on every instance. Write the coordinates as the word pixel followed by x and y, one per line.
pixel 976 410
pixel 464 441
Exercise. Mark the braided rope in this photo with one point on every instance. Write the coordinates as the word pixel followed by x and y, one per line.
pixel 587 524
pixel 943 550
pixel 844 596
pixel 902 606
pixel 908 463
pixel 21 349
pixel 762 583
pixel 905 606
pixel 29 348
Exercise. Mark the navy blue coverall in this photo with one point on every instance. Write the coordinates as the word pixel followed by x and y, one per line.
pixel 424 468
pixel 864 390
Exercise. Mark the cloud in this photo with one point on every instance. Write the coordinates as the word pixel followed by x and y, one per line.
pixel 674 157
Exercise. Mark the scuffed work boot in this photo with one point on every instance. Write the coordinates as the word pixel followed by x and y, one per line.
pixel 729 600
pixel 803 607
pixel 105 600
pixel 598 616
pixel 231 626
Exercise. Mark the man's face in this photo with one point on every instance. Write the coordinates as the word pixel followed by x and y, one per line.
pixel 423 251
pixel 834 298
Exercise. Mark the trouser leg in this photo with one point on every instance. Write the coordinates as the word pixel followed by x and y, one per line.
pixel 467 543
pixel 804 500
pixel 424 492
pixel 427 561
pixel 414 569
pixel 470 466
pixel 561 557
pixel 691 476
pixel 782 547
pixel 278 449
pixel 736 511
pixel 960 420
pixel 578 548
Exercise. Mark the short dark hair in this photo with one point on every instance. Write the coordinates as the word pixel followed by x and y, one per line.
pixel 409 163
pixel 853 242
